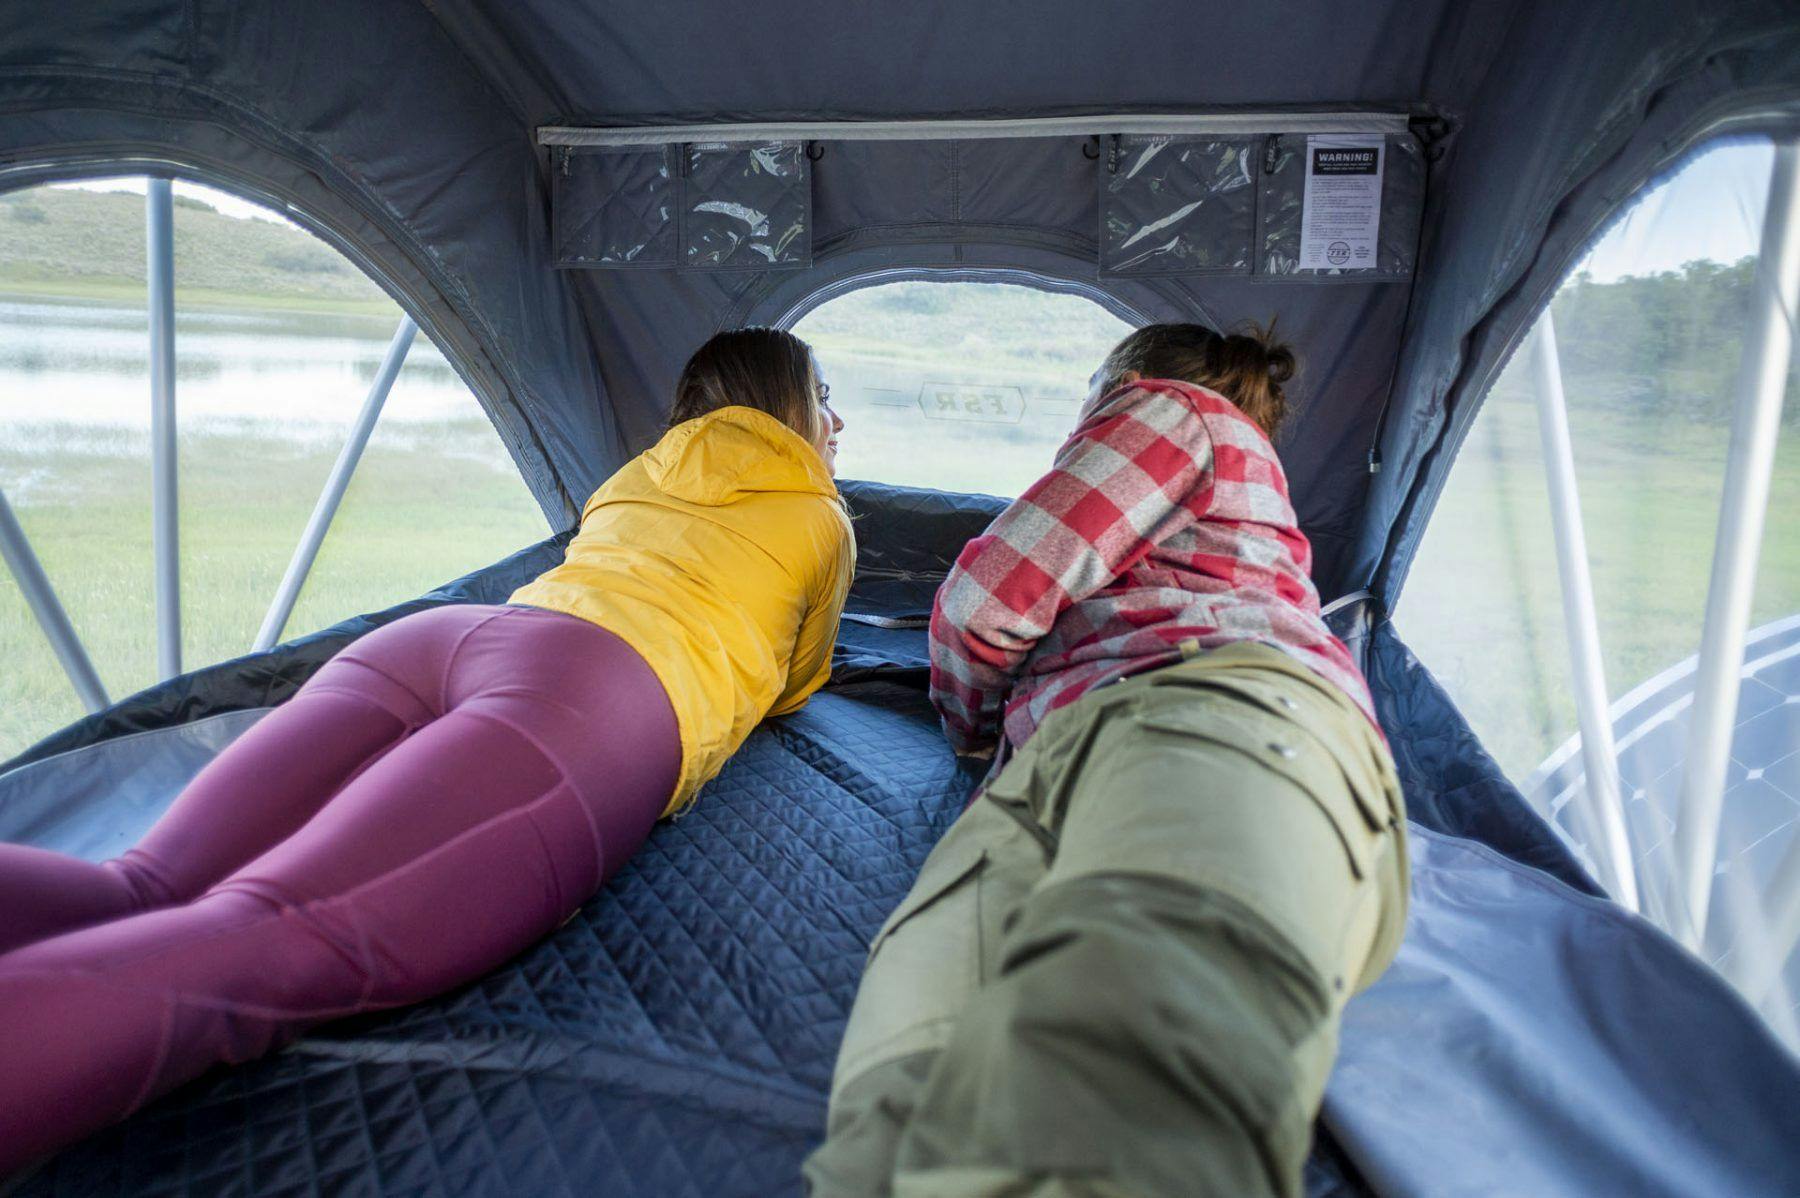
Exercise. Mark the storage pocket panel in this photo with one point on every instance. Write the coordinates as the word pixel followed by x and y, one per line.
pixel 1172 205
pixel 1339 207
pixel 614 207
pixel 746 206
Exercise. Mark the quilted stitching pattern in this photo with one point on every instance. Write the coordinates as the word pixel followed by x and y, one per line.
pixel 614 208
pixel 676 1037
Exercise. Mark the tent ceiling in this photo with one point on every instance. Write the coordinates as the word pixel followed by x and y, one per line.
pixel 406 131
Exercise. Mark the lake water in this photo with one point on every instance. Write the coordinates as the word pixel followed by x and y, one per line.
pixel 88 364
pixel 957 424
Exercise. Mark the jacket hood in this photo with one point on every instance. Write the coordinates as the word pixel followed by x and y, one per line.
pixel 732 452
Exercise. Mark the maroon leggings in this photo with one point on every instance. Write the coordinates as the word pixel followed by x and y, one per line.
pixel 441 794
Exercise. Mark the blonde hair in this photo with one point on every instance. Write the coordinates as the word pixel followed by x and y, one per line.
pixel 1248 368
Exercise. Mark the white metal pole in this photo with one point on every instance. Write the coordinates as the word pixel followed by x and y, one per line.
pixel 1756 416
pixel 15 549
pixel 1598 754
pixel 288 593
pixel 159 238
pixel 1756 972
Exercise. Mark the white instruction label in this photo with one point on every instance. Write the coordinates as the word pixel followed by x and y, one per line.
pixel 1340 220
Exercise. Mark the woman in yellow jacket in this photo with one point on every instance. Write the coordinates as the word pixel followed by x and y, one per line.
pixel 453 785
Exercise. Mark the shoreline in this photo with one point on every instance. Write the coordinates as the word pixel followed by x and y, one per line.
pixel 123 291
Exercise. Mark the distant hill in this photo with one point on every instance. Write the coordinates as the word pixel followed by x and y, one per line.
pixel 1667 342
pixel 86 243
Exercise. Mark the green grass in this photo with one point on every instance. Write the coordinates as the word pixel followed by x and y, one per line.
pixel 973 331
pixel 126 291
pixel 428 503
pixel 1482 607
pixel 92 243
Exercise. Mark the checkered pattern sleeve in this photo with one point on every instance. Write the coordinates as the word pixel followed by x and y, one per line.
pixel 1138 466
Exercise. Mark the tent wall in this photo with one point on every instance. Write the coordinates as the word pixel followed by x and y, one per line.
pixel 367 120
pixel 1586 106
pixel 405 130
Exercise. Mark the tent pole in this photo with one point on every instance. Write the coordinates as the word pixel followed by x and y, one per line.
pixel 15 549
pixel 1755 423
pixel 1598 753
pixel 159 236
pixel 1756 974
pixel 308 549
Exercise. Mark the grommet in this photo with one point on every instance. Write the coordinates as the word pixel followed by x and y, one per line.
pixel 814 151
pixel 1090 149
pixel 1285 752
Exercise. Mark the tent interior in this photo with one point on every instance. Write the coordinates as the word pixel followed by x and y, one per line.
pixel 568 198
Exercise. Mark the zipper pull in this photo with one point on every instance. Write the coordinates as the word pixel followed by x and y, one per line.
pixel 565 161
pixel 1271 151
pixel 1112 156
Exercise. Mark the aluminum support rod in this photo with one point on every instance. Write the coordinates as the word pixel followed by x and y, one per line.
pixel 1599 755
pixel 1755 423
pixel 307 551
pixel 1757 959
pixel 1100 125
pixel 15 550
pixel 1755 973
pixel 159 253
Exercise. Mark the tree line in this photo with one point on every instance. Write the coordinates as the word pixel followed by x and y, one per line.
pixel 1667 342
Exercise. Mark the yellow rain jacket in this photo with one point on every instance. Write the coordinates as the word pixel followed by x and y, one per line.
pixel 723 556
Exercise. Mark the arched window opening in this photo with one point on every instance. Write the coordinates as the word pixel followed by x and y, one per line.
pixel 958 385
pixel 279 343
pixel 1612 426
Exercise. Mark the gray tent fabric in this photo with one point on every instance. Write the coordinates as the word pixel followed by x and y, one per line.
pixel 1548 156
pixel 1586 1051
pixel 404 131
pixel 99 800
pixel 1530 1039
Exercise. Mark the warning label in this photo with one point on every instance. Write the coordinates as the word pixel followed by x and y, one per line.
pixel 1340 216
pixel 1330 161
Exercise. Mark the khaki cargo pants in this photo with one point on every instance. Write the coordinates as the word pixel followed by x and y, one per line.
pixel 1121 971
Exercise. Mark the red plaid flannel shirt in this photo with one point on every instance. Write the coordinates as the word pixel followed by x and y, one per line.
pixel 1164 519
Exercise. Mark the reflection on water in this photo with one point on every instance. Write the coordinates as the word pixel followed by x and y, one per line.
pixel 88 364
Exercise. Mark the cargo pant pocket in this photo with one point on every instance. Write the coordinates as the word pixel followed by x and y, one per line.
pixel 1289 753
pixel 1197 786
pixel 923 967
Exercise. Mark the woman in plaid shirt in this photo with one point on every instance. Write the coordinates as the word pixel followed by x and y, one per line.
pixel 1122 970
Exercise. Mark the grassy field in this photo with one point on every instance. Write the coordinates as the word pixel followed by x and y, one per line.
pixel 67 243
pixel 432 499
pixel 1482 607
pixel 975 330
pixel 428 503
pixel 125 291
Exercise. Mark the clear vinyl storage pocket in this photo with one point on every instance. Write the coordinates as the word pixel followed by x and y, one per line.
pixel 1339 206
pixel 1177 205
pixel 702 206
pixel 746 206
pixel 614 206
